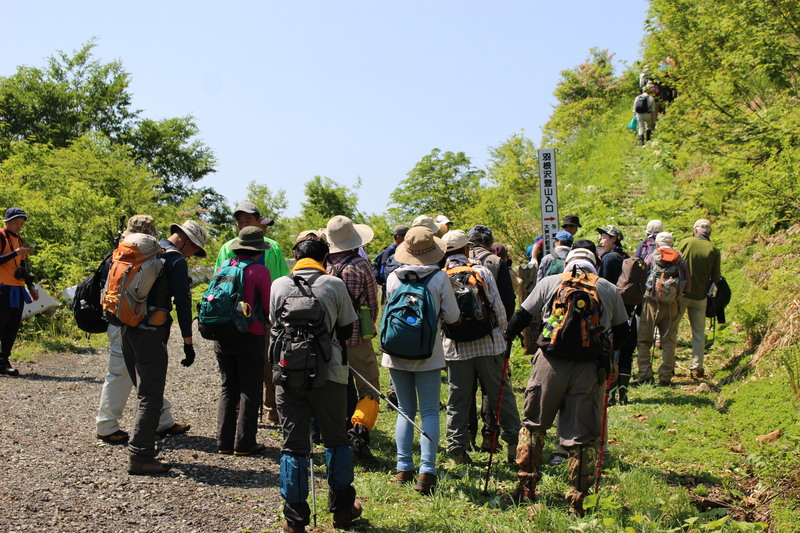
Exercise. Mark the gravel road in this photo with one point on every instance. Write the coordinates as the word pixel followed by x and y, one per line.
pixel 57 476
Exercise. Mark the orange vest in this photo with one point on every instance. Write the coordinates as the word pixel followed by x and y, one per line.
pixel 8 268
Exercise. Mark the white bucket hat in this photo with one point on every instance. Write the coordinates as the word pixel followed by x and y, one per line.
pixel 343 235
pixel 194 232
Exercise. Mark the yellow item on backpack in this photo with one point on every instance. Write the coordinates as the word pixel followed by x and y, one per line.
pixel 366 413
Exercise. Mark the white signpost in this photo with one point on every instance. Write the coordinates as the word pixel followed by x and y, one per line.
pixel 548 193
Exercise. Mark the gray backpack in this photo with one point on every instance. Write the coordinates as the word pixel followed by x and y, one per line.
pixel 301 346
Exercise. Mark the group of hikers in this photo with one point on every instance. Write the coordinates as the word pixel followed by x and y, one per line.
pixel 652 100
pixel 300 341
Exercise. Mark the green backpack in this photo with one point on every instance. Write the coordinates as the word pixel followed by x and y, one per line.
pixel 222 313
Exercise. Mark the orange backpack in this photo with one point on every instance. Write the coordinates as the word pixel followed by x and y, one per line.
pixel 477 318
pixel 136 264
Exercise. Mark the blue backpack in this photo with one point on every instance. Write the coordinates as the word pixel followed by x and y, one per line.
pixel 410 320
pixel 222 312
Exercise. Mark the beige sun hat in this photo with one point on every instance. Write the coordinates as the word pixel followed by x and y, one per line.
pixel 665 237
pixel 703 226
pixel 581 253
pixel 654 226
pixel 343 235
pixel 421 247
pixel 426 222
pixel 194 232
pixel 455 240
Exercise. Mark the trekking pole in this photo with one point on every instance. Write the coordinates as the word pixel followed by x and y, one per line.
pixel 385 399
pixel 602 437
pixel 313 484
pixel 496 428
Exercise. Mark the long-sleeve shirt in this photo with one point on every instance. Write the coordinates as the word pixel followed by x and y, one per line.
pixel 703 259
pixel 491 344
pixel 257 282
pixel 359 278
pixel 174 284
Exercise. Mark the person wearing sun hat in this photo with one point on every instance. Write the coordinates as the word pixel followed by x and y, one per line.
pixel 14 277
pixel 145 347
pixel 571 387
pixel 327 404
pixel 417 382
pixel 117 385
pixel 241 356
pixel 345 238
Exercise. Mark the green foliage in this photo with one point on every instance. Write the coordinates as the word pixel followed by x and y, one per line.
pixel 439 183
pixel 326 198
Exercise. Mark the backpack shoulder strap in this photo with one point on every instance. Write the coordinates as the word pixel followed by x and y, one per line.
pixel 554 255
pixel 338 270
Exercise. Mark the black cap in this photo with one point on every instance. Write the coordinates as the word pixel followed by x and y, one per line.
pixel 14 212
pixel 571 220
pixel 247 207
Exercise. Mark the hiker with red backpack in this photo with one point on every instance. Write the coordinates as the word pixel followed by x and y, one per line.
pixel 570 371
pixel 475 349
pixel 419 298
pixel 146 325
pixel 667 282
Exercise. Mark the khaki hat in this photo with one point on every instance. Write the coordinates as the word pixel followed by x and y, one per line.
pixel 194 232
pixel 426 222
pixel 703 226
pixel 141 224
pixel 343 235
pixel 421 247
pixel 312 234
pixel 581 253
pixel 664 237
pixel 612 231
pixel 654 226
pixel 455 240
pixel 443 220
pixel 250 238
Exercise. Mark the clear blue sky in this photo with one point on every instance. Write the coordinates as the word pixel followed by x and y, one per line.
pixel 283 91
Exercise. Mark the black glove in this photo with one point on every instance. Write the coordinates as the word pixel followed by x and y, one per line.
pixel 188 352
pixel 519 321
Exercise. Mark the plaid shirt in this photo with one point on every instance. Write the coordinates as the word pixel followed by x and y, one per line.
pixel 360 281
pixel 491 344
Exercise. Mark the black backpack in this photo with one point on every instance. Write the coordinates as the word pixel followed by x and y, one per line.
pixel 301 346
pixel 87 306
pixel 641 104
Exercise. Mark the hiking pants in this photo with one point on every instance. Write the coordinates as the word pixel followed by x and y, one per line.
pixel 145 351
pixel 241 365
pixel 116 389
pixel 361 357
pixel 697 320
pixel 645 122
pixel 10 321
pixel 461 375
pixel 328 404
pixel 571 389
pixel 665 318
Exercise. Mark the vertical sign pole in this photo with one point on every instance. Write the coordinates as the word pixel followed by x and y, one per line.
pixel 548 193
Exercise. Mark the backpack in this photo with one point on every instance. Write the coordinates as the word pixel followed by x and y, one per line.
pixel 409 323
pixel 573 329
pixel 222 312
pixel 664 283
pixel 477 318
pixel 555 266
pixel 87 303
pixel 136 264
pixel 632 282
pixel 640 106
pixel 301 346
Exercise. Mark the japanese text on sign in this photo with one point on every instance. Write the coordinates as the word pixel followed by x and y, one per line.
pixel 548 193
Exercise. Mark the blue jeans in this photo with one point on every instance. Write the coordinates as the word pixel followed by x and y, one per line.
pixel 413 387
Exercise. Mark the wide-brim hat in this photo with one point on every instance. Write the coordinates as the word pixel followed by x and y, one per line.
pixel 250 238
pixel 571 220
pixel 420 247
pixel 194 232
pixel 344 235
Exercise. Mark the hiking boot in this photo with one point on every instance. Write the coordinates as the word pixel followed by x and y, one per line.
pixel 175 429
pixel 664 382
pixel 460 457
pixel 146 466
pixel 343 519
pixel 272 416
pixel 486 444
pixel 6 368
pixel 118 437
pixel 288 528
pixel 426 484
pixel 575 501
pixel 557 459
pixel 524 493
pixel 511 456
pixel 643 381
pixel 403 477
pixel 697 373
pixel 364 455
pixel 258 449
